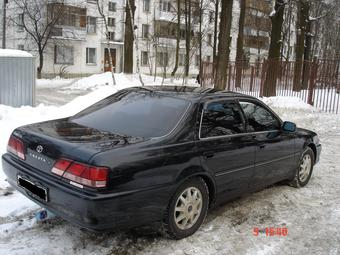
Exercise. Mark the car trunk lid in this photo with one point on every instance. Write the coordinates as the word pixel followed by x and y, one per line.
pixel 48 141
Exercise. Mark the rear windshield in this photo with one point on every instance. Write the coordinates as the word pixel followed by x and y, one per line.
pixel 134 113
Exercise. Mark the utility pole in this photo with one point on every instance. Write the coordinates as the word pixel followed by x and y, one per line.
pixel 4 25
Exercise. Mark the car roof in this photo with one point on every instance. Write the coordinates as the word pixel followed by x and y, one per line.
pixel 191 92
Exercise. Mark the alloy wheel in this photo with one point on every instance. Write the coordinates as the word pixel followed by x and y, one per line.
pixel 305 167
pixel 188 208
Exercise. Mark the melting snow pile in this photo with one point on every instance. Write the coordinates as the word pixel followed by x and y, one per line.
pixel 287 103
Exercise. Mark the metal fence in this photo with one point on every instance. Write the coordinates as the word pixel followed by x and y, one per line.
pixel 17 80
pixel 316 82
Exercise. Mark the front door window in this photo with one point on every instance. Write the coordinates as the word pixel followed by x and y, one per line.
pixel 222 118
pixel 258 118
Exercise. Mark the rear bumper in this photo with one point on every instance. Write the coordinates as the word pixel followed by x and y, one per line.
pixel 95 211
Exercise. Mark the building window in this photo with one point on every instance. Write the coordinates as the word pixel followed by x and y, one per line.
pixel 112 6
pixel 91 25
pixel 145 30
pixel 209 39
pixel 71 15
pixel 181 59
pixel 162 58
pixel 21 47
pixel 111 22
pixel 63 55
pixel 20 22
pixel 211 17
pixel 91 56
pixel 145 58
pixel 111 36
pixel 197 60
pixel 196 19
pixel 146 5
pixel 56 31
pixel 165 6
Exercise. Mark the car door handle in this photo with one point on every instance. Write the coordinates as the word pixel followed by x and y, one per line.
pixel 208 155
pixel 262 145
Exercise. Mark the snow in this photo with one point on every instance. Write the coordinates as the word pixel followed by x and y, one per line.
pixel 287 103
pixel 14 53
pixel 273 13
pixel 54 83
pixel 98 80
pixel 311 214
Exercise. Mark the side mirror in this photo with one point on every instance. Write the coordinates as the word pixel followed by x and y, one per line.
pixel 289 126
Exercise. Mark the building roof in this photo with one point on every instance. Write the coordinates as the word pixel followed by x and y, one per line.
pixel 14 53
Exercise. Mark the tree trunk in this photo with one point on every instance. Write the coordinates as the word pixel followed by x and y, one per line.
pixel 289 26
pixel 101 12
pixel 41 63
pixel 215 30
pixel 307 55
pixel 224 44
pixel 178 38
pixel 187 38
pixel 128 37
pixel 300 43
pixel 269 88
pixel 239 51
pixel 200 41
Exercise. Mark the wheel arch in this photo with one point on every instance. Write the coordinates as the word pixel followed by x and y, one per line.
pixel 199 173
pixel 313 147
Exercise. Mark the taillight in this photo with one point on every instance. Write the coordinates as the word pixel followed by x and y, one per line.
pixel 16 146
pixel 77 173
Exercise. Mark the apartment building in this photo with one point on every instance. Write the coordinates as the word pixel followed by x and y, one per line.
pixel 80 43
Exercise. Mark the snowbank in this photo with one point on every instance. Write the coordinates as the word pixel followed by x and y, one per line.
pixel 287 103
pixel 54 83
pixel 14 53
pixel 95 81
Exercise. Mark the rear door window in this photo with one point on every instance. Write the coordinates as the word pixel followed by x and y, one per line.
pixel 222 118
pixel 259 118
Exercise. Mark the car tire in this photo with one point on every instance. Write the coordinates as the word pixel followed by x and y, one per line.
pixel 304 170
pixel 187 209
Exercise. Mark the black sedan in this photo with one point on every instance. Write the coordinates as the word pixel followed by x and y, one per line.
pixel 157 154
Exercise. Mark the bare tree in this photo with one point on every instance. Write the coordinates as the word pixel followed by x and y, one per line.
pixel 128 36
pixel 39 20
pixel 178 37
pixel 101 11
pixel 131 8
pixel 216 12
pixel 274 48
pixel 240 50
pixel 187 12
pixel 224 41
pixel 303 14
pixel 289 19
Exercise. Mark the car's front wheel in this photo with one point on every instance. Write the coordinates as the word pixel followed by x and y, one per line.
pixel 305 169
pixel 187 209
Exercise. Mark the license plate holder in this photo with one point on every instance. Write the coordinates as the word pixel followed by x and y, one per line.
pixel 33 189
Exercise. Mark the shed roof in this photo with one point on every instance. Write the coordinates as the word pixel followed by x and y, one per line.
pixel 14 53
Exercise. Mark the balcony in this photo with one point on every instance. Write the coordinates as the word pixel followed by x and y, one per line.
pixel 70 21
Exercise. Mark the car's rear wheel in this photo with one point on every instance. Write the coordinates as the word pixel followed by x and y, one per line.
pixel 305 169
pixel 187 209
